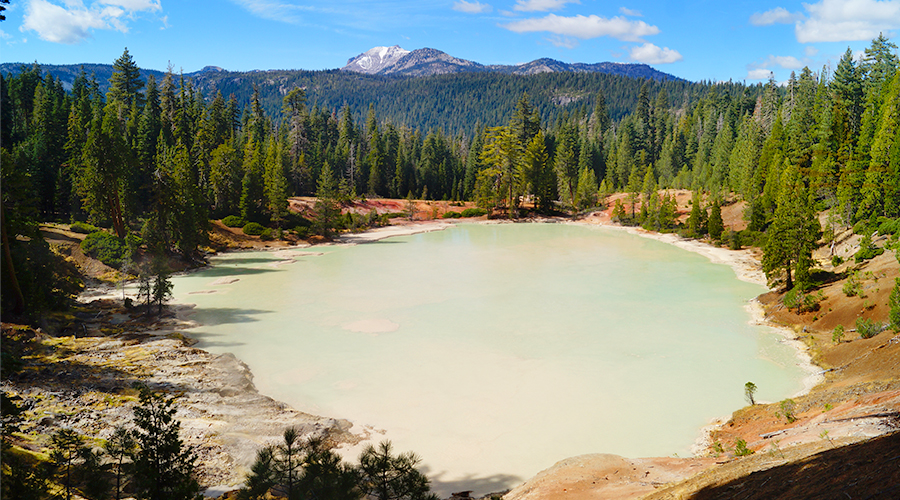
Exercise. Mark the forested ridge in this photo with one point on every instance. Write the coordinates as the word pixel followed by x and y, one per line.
pixel 452 102
pixel 156 160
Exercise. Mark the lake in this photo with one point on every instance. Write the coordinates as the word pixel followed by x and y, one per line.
pixel 495 350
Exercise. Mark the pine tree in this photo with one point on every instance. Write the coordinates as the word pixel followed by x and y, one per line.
pixel 792 236
pixel 100 179
pixel 163 467
pixel 386 476
pixel 715 225
pixel 125 84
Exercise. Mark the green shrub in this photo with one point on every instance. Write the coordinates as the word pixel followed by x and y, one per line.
pixel 867 250
pixel 861 227
pixel 867 328
pixel 888 226
pixel 105 247
pixel 787 410
pixel 253 229
pixel 267 235
pixel 394 215
pixel 752 238
pixel 83 228
pixel 836 260
pixel 302 231
pixel 803 302
pixel 740 448
pixel 837 335
pixel 293 219
pixel 233 221
pixel 852 286
pixel 451 215
pixel 473 212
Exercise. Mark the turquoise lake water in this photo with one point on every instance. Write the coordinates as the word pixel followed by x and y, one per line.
pixel 494 351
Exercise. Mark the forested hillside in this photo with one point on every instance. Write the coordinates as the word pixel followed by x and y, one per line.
pixel 159 158
pixel 456 103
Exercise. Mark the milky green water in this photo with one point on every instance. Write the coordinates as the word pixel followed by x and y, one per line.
pixel 494 351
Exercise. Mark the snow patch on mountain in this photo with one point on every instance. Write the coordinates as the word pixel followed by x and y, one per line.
pixel 376 59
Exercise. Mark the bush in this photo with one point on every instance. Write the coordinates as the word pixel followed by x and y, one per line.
pixel 473 212
pixel 836 260
pixel 852 286
pixel 787 410
pixel 105 247
pixel 803 302
pixel 253 229
pixel 451 215
pixel 752 238
pixel 888 226
pixel 83 228
pixel 302 231
pixel 867 250
pixel 837 335
pixel 867 328
pixel 233 221
pixel 267 235
pixel 740 448
pixel 394 215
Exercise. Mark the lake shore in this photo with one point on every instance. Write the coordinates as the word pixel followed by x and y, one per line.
pixel 208 420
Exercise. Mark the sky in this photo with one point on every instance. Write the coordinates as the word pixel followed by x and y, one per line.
pixel 711 40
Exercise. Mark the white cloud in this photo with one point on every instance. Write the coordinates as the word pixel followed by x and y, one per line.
pixel 628 12
pixel 839 21
pixel 4 35
pixel 836 20
pixel 471 7
pixel 586 27
pixel 541 5
pixel 759 74
pixel 73 22
pixel 134 5
pixel 778 15
pixel 811 51
pixel 786 62
pixel 651 54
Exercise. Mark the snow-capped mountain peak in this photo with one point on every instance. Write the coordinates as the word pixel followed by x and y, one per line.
pixel 375 59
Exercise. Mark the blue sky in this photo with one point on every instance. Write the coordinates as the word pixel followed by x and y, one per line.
pixel 698 40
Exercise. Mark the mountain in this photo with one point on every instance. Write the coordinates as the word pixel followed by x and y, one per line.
pixel 426 62
pixel 376 59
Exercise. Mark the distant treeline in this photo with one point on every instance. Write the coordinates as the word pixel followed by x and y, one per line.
pixel 163 158
pixel 455 103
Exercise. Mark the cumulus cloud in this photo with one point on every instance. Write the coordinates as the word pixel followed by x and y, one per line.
pixel 471 7
pixel 586 27
pixel 836 20
pixel 73 22
pixel 759 74
pixel 651 54
pixel 541 5
pixel 778 15
pixel 786 62
pixel 629 12
pixel 839 21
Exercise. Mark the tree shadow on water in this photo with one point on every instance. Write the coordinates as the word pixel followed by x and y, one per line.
pixel 214 316
pixel 478 485
pixel 222 271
